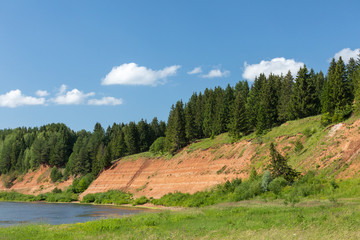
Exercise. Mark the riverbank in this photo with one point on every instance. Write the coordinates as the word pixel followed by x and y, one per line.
pixel 246 220
pixel 26 198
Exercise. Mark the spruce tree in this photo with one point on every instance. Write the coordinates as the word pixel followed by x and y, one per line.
pixel 304 101
pixel 175 132
pixel 328 104
pixel 131 138
pixel 190 128
pixel 199 116
pixel 239 125
pixel 253 101
pixel 209 113
pixel 279 167
pixel 286 89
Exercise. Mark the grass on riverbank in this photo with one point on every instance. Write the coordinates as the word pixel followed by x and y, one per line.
pixel 254 220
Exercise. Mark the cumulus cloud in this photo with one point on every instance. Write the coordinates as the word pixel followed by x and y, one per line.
pixel 132 74
pixel 346 54
pixel 73 97
pixel 106 101
pixel 195 71
pixel 276 66
pixel 15 98
pixel 215 73
pixel 42 93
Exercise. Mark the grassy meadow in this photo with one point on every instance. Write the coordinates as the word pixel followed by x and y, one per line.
pixel 244 220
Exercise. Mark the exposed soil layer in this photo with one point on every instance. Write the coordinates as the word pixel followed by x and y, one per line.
pixel 36 182
pixel 337 152
pixel 192 171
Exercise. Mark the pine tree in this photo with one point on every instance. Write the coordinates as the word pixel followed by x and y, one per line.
pixel 209 113
pixel 190 128
pixel 106 160
pixel 341 93
pixel 328 104
pixel 279 167
pixel 304 101
pixel 268 104
pixel 320 83
pixel 351 69
pixel 253 101
pixel 175 132
pixel 220 118
pixel 145 139
pixel 131 138
pixel 286 90
pixel 239 125
pixel 199 116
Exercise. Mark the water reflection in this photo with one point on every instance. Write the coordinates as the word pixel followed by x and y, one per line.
pixel 12 213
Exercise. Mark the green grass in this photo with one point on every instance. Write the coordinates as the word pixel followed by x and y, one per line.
pixel 48 197
pixel 252 220
pixel 207 143
pixel 146 155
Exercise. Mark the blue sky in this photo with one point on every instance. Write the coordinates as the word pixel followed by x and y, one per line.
pixel 82 62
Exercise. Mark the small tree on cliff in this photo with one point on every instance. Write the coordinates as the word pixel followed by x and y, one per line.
pixel 279 167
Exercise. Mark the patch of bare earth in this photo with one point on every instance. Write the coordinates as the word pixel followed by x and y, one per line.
pixel 198 170
pixel 189 172
pixel 36 182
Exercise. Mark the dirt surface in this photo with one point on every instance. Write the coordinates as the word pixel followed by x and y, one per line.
pixel 198 170
pixel 36 182
pixel 187 172
pixel 337 153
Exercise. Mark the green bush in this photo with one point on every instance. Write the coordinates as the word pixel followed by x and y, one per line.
pixel 61 197
pixel 266 179
pixel 109 197
pixel 248 189
pixel 55 175
pixel 309 132
pixel 141 200
pixel 56 190
pixel 81 184
pixel 298 146
pixel 326 119
pixel 158 146
pixel 277 185
pixel 342 113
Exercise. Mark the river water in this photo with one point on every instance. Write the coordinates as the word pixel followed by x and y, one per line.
pixel 12 213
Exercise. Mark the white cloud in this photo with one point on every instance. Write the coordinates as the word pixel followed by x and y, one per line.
pixel 216 73
pixel 106 101
pixel 195 71
pixel 62 89
pixel 346 54
pixel 132 74
pixel 15 98
pixel 74 96
pixel 42 93
pixel 276 66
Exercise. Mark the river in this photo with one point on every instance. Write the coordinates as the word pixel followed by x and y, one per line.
pixel 13 213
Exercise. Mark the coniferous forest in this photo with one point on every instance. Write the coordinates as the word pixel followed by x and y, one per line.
pixel 239 110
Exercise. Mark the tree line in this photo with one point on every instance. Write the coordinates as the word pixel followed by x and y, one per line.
pixel 240 110
pixel 80 152
pixel 269 102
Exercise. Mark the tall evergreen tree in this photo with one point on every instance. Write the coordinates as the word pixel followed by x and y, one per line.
pixel 199 116
pixel 131 138
pixel 253 101
pixel 239 124
pixel 209 113
pixel 268 103
pixel 190 128
pixel 286 90
pixel 279 167
pixel 175 132
pixel 304 99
